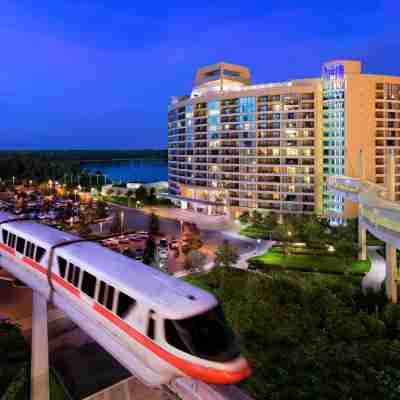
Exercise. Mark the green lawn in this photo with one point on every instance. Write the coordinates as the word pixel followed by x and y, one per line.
pixel 308 262
pixel 254 232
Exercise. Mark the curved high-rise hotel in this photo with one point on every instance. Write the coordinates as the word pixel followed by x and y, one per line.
pixel 234 146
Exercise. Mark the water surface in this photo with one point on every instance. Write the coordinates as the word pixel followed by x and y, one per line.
pixel 144 171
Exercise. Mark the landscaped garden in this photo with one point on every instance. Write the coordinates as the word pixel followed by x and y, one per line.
pixel 305 243
pixel 311 336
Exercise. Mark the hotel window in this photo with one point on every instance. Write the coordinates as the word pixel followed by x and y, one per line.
pixel 247 104
pixel 291 152
pixel 213 108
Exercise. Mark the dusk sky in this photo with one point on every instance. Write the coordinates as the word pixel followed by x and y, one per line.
pixel 99 74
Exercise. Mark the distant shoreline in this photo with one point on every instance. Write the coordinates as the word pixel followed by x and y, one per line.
pixel 86 156
pixel 122 159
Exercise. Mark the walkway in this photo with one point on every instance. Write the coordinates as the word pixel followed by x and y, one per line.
pixel 377 214
pixel 377 273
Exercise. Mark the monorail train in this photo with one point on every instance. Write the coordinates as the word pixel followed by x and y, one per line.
pixel 158 327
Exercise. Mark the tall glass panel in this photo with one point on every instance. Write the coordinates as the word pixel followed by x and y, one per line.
pixel 333 127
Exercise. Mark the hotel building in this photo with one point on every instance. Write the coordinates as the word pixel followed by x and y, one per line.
pixel 234 146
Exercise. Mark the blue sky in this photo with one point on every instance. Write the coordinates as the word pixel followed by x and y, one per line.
pixel 99 74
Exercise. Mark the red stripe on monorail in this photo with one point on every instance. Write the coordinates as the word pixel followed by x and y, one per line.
pixel 34 265
pixel 66 285
pixel 8 249
pixel 54 276
pixel 210 375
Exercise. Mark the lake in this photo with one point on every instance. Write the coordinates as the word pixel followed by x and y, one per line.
pixel 144 171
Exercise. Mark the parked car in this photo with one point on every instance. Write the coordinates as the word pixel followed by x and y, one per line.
pixel 174 244
pixel 163 243
pixel 139 253
pixel 142 234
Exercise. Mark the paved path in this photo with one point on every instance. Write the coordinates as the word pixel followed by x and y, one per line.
pixel 261 248
pixel 377 273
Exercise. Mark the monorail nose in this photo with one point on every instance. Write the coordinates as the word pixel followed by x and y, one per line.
pixel 225 376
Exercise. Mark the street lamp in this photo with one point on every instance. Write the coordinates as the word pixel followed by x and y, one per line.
pixel 76 197
pixel 122 221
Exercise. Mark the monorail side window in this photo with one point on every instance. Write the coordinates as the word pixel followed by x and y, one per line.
pixel 11 240
pixel 28 249
pixel 76 276
pixel 5 234
pixel 20 245
pixel 31 252
pixel 39 253
pixel 110 298
pixel 102 292
pixel 125 303
pixel 62 265
pixel 88 284
pixel 151 328
pixel 70 272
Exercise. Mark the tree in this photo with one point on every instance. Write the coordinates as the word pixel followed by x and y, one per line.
pixel 193 241
pixel 226 256
pixel 245 218
pixel 154 224
pixel 313 233
pixel 101 211
pixel 152 195
pixel 256 218
pixel 149 251
pixel 347 251
pixel 141 194
pixel 285 234
pixel 195 260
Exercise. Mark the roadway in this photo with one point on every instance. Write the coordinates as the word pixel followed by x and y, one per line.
pixel 212 236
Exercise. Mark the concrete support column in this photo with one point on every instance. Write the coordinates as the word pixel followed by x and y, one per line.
pixel 40 349
pixel 362 242
pixel 391 273
pixel 390 175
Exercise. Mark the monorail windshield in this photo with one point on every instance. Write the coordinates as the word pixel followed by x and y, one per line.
pixel 205 335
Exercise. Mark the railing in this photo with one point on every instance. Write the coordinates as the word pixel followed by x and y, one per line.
pixel 375 209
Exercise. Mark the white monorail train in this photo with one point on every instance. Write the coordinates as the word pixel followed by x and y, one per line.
pixel 157 326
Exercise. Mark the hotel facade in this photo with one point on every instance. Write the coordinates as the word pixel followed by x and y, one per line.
pixel 235 147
